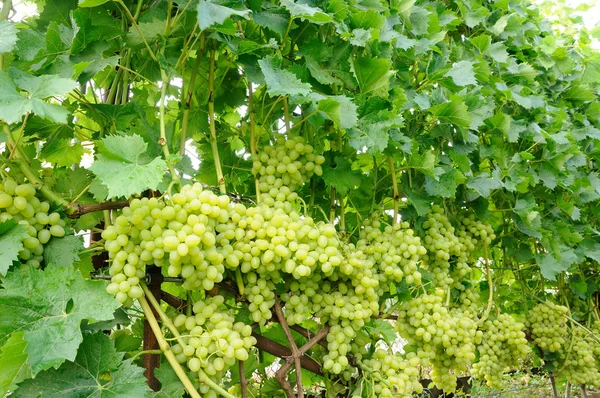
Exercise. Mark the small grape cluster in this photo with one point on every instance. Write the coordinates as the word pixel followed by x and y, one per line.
pixel 181 236
pixel 548 327
pixel 445 340
pixel 18 202
pixel 395 252
pixel 503 345
pixel 577 362
pixel 211 340
pixel 261 296
pixel 283 167
pixel 393 376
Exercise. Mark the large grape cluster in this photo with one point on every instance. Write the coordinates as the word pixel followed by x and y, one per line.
pixel 548 327
pixel 395 252
pixel 445 339
pixel 503 345
pixel 18 202
pixel 182 236
pixel 261 297
pixel 210 339
pixel 393 376
pixel 283 167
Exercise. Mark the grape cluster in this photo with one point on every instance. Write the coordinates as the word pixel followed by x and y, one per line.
pixel 182 236
pixel 18 202
pixel 283 167
pixel 261 296
pixel 210 340
pixel 445 340
pixel 393 376
pixel 503 345
pixel 395 252
pixel 548 327
pixel 577 362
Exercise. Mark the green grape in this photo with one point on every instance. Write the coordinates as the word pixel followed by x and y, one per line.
pixel 578 363
pixel 548 327
pixel 393 376
pixel 503 345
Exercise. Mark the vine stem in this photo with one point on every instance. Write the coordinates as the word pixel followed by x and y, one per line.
pixel 211 119
pixel 163 133
pixel 144 352
pixel 243 380
pixel 166 349
pixel 253 141
pixel 187 95
pixel 488 308
pixel 296 354
pixel 395 187
pixel 169 324
pixel 136 26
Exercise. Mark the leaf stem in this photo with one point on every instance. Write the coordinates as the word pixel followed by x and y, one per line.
pixel 395 188
pixel 163 133
pixel 136 26
pixel 166 349
pixel 187 96
pixel 211 119
pixel 253 142
pixel 490 301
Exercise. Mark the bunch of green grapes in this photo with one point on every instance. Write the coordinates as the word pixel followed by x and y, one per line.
pixel 180 235
pixel 441 244
pixel 261 296
pixel 445 340
pixel 211 341
pixel 577 362
pixel 503 345
pixel 18 202
pixel 548 327
pixel 392 375
pixel 339 339
pixel 473 232
pixel 283 167
pixel 468 300
pixel 395 252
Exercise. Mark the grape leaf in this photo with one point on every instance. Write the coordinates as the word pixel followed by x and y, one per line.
pixel 92 3
pixel 373 75
pixel 307 12
pixel 87 375
pixel 462 73
pixel 280 81
pixel 15 105
pixel 381 327
pixel 8 36
pixel 62 152
pixel 48 306
pixel 171 386
pixel 63 252
pixel 210 14
pixel 550 266
pixel 11 243
pixel 454 111
pixel 13 363
pixel 498 52
pixel 124 168
pixel 484 184
pixel 340 109
pixel 341 177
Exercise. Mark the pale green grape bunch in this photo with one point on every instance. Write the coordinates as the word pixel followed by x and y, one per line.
pixel 339 339
pixel 503 346
pixel 441 244
pixel 577 362
pixel 468 301
pixel 395 252
pixel 261 296
pixel 392 375
pixel 445 340
pixel 211 340
pixel 283 167
pixel 19 202
pixel 548 327
pixel 180 235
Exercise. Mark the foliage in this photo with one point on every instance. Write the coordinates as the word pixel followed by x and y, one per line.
pixel 350 158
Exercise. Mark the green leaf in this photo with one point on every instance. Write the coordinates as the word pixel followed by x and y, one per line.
pixel 484 184
pixel 14 105
pixel 8 36
pixel 421 204
pixel 381 327
pixel 13 364
pixel 97 371
pixel 373 131
pixel 123 167
pixel 341 110
pixel 462 73
pixel 550 266
pixel 341 176
pixel 274 19
pixel 445 186
pixel 62 152
pixel 280 81
pixel 92 3
pixel 170 385
pixel 373 75
pixel 498 52
pixel 210 14
pixel 455 112
pixel 11 243
pixel 63 252
pixel 424 163
pixel 303 11
pixel 48 306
